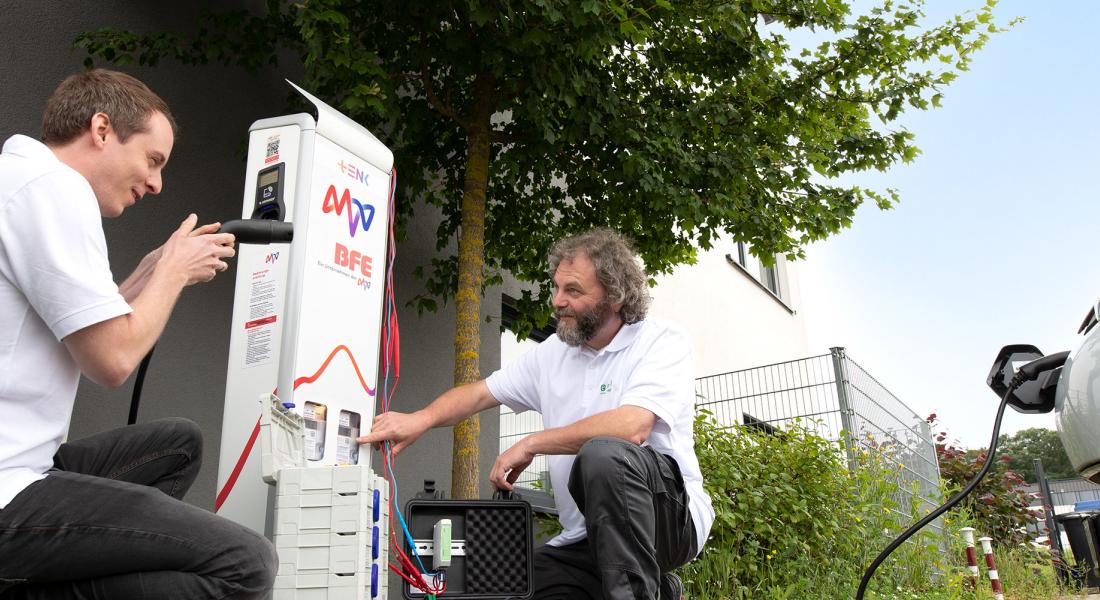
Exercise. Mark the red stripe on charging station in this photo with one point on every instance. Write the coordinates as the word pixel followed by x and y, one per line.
pixel 229 483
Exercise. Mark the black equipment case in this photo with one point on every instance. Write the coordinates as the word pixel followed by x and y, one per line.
pixel 491 543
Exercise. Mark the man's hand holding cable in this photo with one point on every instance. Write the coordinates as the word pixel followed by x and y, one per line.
pixel 511 463
pixel 400 429
pixel 135 283
pixel 196 253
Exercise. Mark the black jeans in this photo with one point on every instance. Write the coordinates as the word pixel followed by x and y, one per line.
pixel 636 513
pixel 107 523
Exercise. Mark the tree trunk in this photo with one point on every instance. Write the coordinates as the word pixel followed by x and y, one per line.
pixel 471 261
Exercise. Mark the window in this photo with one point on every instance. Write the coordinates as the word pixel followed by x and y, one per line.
pixel 761 426
pixel 767 276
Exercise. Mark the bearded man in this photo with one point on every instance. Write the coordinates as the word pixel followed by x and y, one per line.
pixel 617 397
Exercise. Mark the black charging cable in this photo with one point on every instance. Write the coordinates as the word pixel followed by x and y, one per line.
pixel 1024 374
pixel 246 231
pixel 139 382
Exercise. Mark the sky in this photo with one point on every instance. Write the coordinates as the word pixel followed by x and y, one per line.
pixel 995 239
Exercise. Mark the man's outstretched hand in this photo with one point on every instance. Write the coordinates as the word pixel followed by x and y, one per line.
pixel 400 429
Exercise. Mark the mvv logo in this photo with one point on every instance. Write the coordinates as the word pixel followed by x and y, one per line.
pixel 360 215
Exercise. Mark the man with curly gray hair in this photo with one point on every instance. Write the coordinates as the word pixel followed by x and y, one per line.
pixel 618 270
pixel 617 397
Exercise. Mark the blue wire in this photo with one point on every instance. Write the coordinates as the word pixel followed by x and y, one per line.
pixel 401 518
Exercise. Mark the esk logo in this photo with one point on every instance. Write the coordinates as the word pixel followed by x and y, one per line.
pixel 360 215
pixel 353 171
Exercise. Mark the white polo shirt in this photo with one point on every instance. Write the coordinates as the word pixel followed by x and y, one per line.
pixel 647 364
pixel 54 280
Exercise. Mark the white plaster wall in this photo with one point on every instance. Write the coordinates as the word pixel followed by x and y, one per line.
pixel 734 323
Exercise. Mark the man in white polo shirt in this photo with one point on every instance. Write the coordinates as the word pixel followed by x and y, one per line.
pixel 616 394
pixel 100 517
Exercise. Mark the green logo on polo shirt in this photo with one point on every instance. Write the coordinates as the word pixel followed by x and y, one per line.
pixel 605 388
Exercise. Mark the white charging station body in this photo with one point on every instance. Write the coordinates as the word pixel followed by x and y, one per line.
pixel 307 316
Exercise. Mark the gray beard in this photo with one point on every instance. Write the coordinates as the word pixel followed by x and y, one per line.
pixel 585 326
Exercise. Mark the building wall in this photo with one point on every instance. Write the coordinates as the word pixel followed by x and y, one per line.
pixel 214 106
pixel 734 322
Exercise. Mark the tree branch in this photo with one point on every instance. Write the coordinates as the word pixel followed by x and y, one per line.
pixel 499 137
pixel 443 108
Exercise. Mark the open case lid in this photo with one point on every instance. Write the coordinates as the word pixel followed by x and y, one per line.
pixel 281 433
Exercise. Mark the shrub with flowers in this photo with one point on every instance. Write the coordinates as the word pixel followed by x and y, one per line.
pixel 999 505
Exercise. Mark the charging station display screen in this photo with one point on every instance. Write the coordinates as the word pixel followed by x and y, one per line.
pixel 269 193
pixel 269 178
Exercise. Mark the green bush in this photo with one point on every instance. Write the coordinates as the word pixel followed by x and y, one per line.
pixel 792 522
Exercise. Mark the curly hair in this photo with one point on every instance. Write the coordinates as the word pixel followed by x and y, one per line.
pixel 128 102
pixel 618 268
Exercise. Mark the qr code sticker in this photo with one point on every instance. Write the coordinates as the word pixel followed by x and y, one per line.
pixel 272 146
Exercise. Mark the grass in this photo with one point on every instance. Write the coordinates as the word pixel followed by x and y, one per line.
pixel 1026 573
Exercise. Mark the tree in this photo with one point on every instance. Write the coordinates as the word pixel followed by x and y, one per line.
pixel 672 122
pixel 1024 446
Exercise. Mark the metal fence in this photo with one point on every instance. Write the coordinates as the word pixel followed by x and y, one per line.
pixel 515 427
pixel 835 397
pixel 829 394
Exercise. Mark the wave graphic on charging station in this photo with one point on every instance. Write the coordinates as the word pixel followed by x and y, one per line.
pixel 232 480
pixel 354 365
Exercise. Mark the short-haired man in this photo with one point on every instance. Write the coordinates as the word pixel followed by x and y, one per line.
pixel 616 394
pixel 100 517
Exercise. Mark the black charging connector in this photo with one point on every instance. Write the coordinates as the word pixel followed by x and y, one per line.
pixel 1033 369
pixel 1026 373
pixel 259 231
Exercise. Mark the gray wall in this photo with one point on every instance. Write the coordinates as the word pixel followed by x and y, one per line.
pixel 214 106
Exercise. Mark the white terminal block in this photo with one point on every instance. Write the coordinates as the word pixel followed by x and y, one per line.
pixel 327 514
pixel 327 587
pixel 326 553
pixel 343 480
pixel 331 522
pixel 441 542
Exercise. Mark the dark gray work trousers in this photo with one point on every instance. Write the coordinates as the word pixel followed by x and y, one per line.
pixel 107 523
pixel 636 513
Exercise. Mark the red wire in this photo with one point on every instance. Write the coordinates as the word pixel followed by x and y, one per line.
pixel 391 358
pixel 394 568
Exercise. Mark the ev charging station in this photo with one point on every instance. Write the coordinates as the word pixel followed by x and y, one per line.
pixel 306 328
